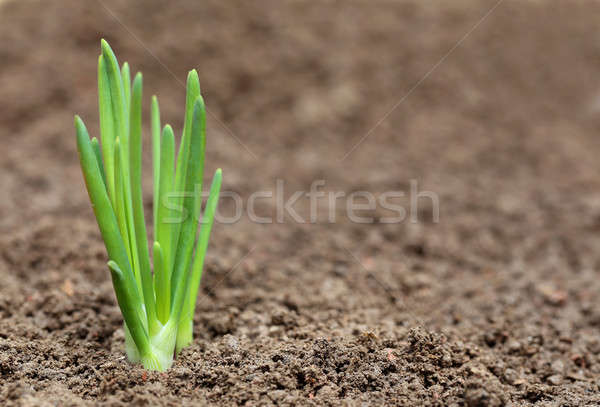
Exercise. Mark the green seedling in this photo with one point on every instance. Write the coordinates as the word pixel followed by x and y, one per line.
pixel 157 302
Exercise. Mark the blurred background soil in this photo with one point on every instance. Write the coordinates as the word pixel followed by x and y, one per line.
pixel 494 305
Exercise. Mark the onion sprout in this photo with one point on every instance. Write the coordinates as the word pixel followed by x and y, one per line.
pixel 158 301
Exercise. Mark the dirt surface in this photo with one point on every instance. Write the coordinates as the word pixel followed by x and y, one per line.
pixel 494 305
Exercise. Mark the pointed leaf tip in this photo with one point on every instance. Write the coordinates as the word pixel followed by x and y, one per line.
pixel 80 126
pixel 199 101
pixel 108 51
pixel 193 82
pixel 114 267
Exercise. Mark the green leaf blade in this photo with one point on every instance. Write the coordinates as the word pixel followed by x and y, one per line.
pixel 117 93
pixel 192 93
pixel 103 210
pixel 123 279
pixel 99 161
pixel 185 243
pixel 126 79
pixel 164 219
pixel 139 221
pixel 107 126
pixel 155 125
pixel 133 313
pixel 162 285
pixel 184 336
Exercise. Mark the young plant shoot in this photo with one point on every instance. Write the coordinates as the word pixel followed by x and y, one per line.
pixel 158 301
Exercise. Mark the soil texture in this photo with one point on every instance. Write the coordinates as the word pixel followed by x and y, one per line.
pixel 493 106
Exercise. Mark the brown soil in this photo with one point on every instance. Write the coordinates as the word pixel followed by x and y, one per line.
pixel 497 304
